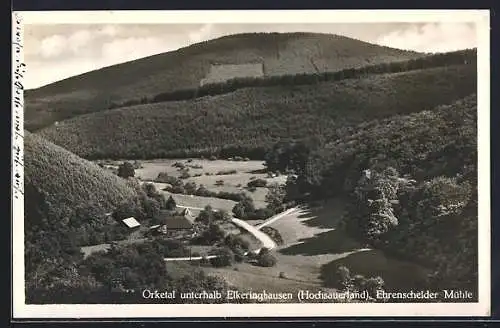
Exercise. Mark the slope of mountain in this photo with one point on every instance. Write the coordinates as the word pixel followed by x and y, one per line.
pixel 427 144
pixel 62 187
pixel 418 197
pixel 66 199
pixel 249 120
pixel 266 54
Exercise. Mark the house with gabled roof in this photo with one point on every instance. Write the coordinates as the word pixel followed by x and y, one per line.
pixel 175 224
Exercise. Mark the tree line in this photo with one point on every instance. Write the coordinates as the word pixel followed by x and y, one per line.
pixel 468 56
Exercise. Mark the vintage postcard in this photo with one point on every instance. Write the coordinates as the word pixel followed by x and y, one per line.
pixel 251 163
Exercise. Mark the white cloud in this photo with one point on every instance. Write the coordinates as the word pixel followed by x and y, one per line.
pixel 113 52
pixel 52 46
pixel 432 37
pixel 58 45
pixel 203 34
pixel 125 49
pixel 109 30
pixel 79 40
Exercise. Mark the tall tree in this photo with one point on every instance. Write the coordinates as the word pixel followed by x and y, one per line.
pixel 126 170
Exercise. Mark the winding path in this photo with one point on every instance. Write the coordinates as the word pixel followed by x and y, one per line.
pixel 276 217
pixel 193 258
pixel 266 241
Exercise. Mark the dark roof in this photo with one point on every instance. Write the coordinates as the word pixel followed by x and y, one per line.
pixel 178 222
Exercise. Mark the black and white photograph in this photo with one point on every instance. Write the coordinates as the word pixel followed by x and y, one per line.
pixel 251 163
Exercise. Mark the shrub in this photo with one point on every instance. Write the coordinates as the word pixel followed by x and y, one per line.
pixel 170 204
pixel 262 213
pixel 266 260
pixel 274 234
pixel 176 189
pixel 235 242
pixel 212 235
pixel 126 170
pixel 185 175
pixel 227 172
pixel 225 257
pixel 179 165
pixel 163 177
pixel 257 183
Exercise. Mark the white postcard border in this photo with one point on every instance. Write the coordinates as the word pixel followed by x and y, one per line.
pixel 482 308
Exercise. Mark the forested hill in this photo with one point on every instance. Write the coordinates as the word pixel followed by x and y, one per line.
pixel 262 54
pixel 425 145
pixel 250 120
pixel 64 194
pixel 410 188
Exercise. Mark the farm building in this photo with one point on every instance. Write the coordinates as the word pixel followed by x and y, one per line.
pixel 158 229
pixel 131 223
pixel 172 224
pixel 188 215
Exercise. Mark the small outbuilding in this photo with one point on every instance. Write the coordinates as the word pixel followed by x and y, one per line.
pixel 131 223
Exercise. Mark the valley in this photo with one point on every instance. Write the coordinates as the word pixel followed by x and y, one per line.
pixel 248 163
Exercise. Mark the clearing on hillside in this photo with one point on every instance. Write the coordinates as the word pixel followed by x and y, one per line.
pixel 223 72
pixel 241 173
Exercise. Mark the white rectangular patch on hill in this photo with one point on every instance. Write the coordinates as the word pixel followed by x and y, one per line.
pixel 223 72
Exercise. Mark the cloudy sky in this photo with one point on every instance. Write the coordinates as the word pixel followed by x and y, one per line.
pixel 55 52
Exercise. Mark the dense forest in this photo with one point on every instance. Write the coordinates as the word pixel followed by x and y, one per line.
pixel 409 183
pixel 279 54
pixel 426 144
pixel 249 121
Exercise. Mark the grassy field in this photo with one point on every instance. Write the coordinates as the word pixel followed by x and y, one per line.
pixel 245 279
pixel 287 53
pixel 313 249
pixel 151 168
pixel 201 202
pixel 248 121
pixel 233 183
